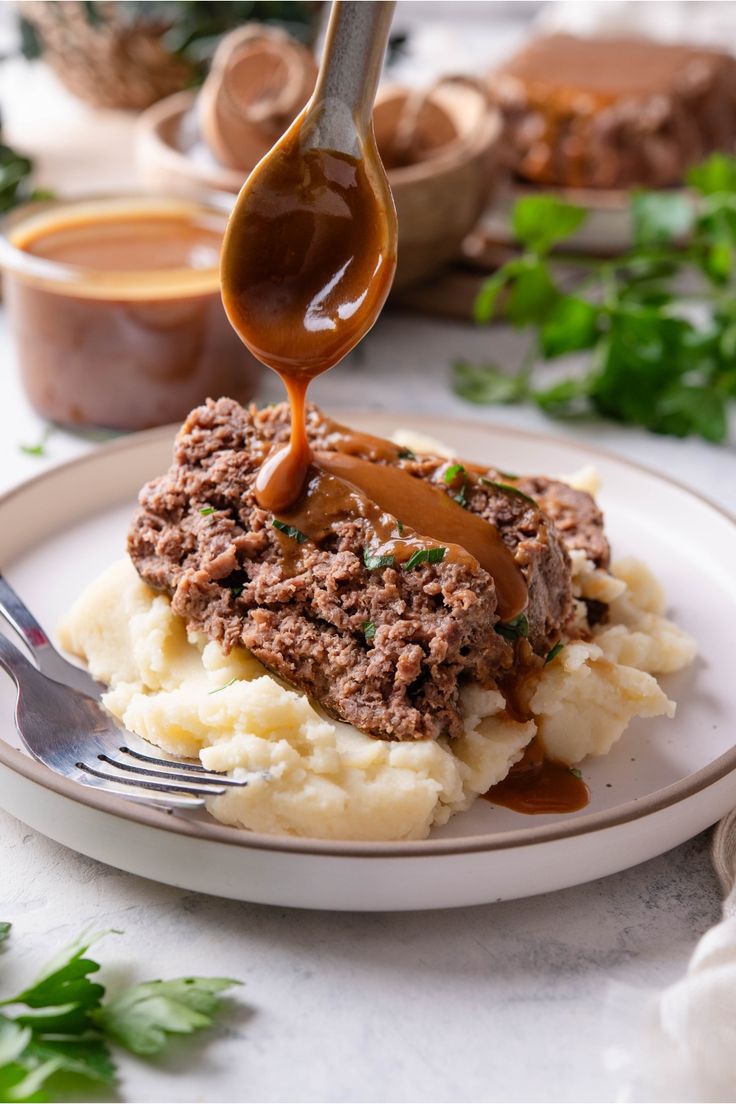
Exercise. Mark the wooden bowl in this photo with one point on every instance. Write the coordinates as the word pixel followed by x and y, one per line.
pixel 439 197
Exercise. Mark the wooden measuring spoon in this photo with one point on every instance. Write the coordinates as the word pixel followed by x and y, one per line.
pixel 310 250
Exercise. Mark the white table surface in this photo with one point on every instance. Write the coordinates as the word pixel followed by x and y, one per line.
pixel 515 1001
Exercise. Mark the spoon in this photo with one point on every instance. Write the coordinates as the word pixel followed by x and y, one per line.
pixel 310 249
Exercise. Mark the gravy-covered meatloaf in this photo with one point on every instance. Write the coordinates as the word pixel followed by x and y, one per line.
pixel 386 646
pixel 614 112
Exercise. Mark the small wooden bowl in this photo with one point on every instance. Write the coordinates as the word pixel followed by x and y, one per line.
pixel 439 198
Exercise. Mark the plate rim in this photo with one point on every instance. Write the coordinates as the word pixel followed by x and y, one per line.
pixel 34 771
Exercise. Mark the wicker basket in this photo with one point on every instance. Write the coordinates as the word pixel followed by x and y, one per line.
pixel 109 61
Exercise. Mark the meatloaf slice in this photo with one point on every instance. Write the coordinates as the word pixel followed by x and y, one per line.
pixel 387 650
pixel 525 512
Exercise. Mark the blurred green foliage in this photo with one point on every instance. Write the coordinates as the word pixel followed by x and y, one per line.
pixel 658 354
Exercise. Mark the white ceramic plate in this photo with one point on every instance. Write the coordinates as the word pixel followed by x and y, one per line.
pixel 662 783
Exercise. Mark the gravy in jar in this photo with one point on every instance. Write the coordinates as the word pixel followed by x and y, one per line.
pixel 116 309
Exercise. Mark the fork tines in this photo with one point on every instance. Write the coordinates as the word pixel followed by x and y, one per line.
pixel 161 775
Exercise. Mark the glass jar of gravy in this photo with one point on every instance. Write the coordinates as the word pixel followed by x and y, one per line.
pixel 116 310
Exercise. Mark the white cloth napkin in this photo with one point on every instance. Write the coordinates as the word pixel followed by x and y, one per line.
pixel 685 1039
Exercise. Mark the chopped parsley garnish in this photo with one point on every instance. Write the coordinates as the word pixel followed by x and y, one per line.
pixel 236 590
pixel 373 562
pixel 205 511
pixel 507 475
pixel 576 772
pixel 289 531
pixel 39 449
pixel 400 526
pixel 369 629
pixel 514 629
pixel 219 688
pixel 461 497
pixel 406 454
pixel 508 489
pixel 451 476
pixel 425 555
pixel 452 473
pixel 554 652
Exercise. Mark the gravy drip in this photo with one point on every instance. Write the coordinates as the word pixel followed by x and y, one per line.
pixel 427 509
pixel 330 499
pixel 537 785
pixel 307 265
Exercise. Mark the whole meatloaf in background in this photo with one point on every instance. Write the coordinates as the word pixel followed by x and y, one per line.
pixel 614 112
pixel 200 535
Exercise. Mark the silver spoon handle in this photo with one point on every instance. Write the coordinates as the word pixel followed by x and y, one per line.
pixel 352 60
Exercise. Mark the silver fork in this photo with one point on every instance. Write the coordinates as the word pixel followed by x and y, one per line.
pixel 48 660
pixel 73 735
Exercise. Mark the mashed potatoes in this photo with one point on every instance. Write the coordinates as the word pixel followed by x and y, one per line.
pixel 312 776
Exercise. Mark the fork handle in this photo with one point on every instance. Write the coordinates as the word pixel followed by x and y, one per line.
pixel 15 663
pixel 15 611
pixel 49 662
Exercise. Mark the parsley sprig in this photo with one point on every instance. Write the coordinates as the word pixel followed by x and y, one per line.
pixel 62 1025
pixel 425 555
pixel 652 360
pixel 289 531
pixel 456 478
pixel 515 628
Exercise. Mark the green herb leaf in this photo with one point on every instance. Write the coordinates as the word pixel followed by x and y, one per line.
pixel 716 174
pixel 63 1030
pixel 142 1017
pixel 563 397
pixel 373 562
pixel 406 454
pixel 236 590
pixel 485 301
pixel 683 410
pixel 425 555
pixel 369 629
pixel 217 689
pixel 42 195
pixel 19 1085
pixel 661 217
pixel 400 526
pixel 554 651
pixel 576 772
pixel 39 449
pixel 87 1056
pixel 4 930
pixel 452 473
pixel 718 262
pixel 508 489
pixel 533 293
pixel 541 221
pixel 289 531
pixel 514 629
pixel 572 324
pixel 205 511
pixel 653 361
pixel 485 383
pixel 61 999
pixel 13 1040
